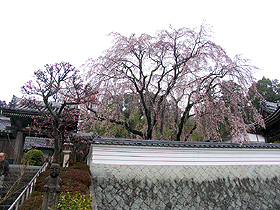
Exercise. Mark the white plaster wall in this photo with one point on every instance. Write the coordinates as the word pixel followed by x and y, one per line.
pixel 145 155
pixel 254 138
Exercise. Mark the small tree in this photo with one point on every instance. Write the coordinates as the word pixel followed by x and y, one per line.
pixel 172 77
pixel 33 157
pixel 61 89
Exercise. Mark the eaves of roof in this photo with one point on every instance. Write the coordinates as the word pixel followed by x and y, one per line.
pixel 274 117
pixel 268 121
pixel 269 107
pixel 18 109
pixel 14 113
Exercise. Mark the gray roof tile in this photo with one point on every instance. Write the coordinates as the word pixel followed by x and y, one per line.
pixel 38 142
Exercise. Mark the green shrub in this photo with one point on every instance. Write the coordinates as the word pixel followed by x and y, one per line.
pixel 77 201
pixel 33 157
pixel 81 166
pixel 72 186
pixel 41 181
pixel 76 174
pixel 34 203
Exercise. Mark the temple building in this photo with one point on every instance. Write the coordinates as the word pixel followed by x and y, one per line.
pixel 271 113
pixel 15 137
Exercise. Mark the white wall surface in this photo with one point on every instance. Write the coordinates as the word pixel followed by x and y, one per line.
pixel 145 155
pixel 256 138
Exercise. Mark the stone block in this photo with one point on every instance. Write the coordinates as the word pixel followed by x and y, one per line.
pixel 186 187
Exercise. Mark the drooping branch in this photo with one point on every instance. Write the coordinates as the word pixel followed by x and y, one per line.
pixel 176 76
pixel 118 122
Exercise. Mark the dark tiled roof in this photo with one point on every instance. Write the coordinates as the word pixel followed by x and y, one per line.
pixel 157 143
pixel 10 113
pixel 38 142
pixel 269 107
pixel 16 104
pixel 273 110
pixel 3 104
pixel 272 118
pixel 17 108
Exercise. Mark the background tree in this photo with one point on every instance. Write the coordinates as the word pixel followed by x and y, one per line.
pixel 171 78
pixel 267 89
pixel 60 89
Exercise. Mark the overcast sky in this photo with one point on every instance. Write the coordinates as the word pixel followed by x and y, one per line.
pixel 35 33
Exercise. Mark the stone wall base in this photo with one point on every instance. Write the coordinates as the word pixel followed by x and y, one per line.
pixel 186 187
